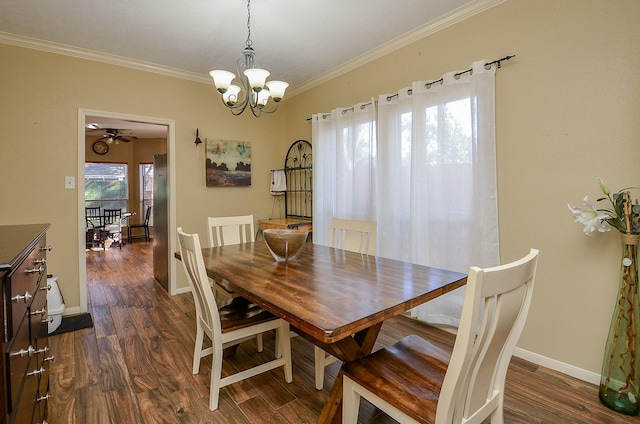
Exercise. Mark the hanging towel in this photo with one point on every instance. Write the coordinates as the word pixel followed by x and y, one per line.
pixel 278 182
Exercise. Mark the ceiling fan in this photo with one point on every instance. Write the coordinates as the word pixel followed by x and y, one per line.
pixel 112 135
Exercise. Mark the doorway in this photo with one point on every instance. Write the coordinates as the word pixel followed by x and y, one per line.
pixel 132 129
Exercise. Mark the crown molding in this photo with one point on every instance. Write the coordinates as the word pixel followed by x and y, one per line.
pixel 455 16
pixel 458 15
pixel 64 49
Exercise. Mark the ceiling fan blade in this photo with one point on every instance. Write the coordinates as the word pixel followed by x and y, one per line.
pixel 92 127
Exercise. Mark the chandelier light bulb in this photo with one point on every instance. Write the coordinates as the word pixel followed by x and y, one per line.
pixel 257 77
pixel 262 97
pixel 230 96
pixel 277 89
pixel 222 79
pixel 255 89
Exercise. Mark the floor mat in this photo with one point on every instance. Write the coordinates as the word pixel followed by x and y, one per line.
pixel 73 323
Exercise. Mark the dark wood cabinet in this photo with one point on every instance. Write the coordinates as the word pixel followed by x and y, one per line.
pixel 26 359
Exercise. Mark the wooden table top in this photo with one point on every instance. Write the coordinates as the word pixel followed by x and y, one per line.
pixel 329 294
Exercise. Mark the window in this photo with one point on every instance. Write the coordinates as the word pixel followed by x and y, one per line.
pixel 106 185
pixel 146 189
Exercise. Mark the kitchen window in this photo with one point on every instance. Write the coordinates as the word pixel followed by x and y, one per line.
pixel 106 185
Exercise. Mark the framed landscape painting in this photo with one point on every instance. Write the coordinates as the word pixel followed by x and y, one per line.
pixel 228 163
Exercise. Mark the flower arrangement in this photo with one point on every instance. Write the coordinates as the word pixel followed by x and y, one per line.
pixel 623 215
pixel 620 379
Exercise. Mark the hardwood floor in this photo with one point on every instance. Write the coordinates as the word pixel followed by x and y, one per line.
pixel 134 365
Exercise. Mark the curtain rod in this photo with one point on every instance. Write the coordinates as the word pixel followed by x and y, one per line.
pixel 497 62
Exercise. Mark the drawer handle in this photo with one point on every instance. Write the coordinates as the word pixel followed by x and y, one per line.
pixel 49 358
pixel 24 298
pixel 45 397
pixel 40 261
pixel 43 350
pixel 47 248
pixel 34 270
pixel 46 288
pixel 24 352
pixel 37 372
pixel 39 311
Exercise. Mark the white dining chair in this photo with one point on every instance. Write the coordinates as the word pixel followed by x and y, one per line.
pixel 228 326
pixel 413 381
pixel 355 236
pixel 227 230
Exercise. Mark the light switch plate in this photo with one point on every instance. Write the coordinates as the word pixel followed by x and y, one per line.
pixel 69 183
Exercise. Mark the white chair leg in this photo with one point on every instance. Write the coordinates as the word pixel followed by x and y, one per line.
pixel 319 356
pixel 497 417
pixel 285 349
pixel 216 376
pixel 278 345
pixel 197 350
pixel 259 341
pixel 350 402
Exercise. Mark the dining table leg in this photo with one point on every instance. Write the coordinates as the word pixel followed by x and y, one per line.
pixel 347 350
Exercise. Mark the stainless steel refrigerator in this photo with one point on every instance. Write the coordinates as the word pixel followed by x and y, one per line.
pixel 160 221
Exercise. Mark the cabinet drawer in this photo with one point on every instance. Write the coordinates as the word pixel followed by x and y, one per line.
pixel 21 288
pixel 44 360
pixel 38 313
pixel 40 415
pixel 25 407
pixel 24 412
pixel 18 359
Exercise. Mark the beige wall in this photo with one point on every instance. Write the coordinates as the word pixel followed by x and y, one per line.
pixel 567 112
pixel 41 96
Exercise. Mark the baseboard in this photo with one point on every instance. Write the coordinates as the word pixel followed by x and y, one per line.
pixel 71 311
pixel 570 370
pixel 579 373
pixel 183 290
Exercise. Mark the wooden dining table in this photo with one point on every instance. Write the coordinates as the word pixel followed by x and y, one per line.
pixel 336 299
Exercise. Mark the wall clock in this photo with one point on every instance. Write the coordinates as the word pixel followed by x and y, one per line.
pixel 100 147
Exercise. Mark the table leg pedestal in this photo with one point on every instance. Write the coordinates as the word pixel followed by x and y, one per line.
pixel 347 350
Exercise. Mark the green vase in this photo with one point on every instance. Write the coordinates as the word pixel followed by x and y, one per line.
pixel 620 379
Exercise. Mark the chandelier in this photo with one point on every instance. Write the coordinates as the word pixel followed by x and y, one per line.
pixel 256 92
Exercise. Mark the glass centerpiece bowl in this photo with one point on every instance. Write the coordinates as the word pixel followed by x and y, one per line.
pixel 285 245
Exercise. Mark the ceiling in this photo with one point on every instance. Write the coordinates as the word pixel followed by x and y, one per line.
pixel 140 130
pixel 299 41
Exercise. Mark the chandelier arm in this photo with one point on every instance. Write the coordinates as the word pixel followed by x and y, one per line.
pixel 241 66
pixel 264 98
pixel 237 111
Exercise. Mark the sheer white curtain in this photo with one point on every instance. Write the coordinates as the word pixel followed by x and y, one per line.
pixel 437 176
pixel 344 167
pixel 429 182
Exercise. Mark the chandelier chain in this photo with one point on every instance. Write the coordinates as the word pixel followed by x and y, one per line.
pixel 249 42
pixel 257 94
